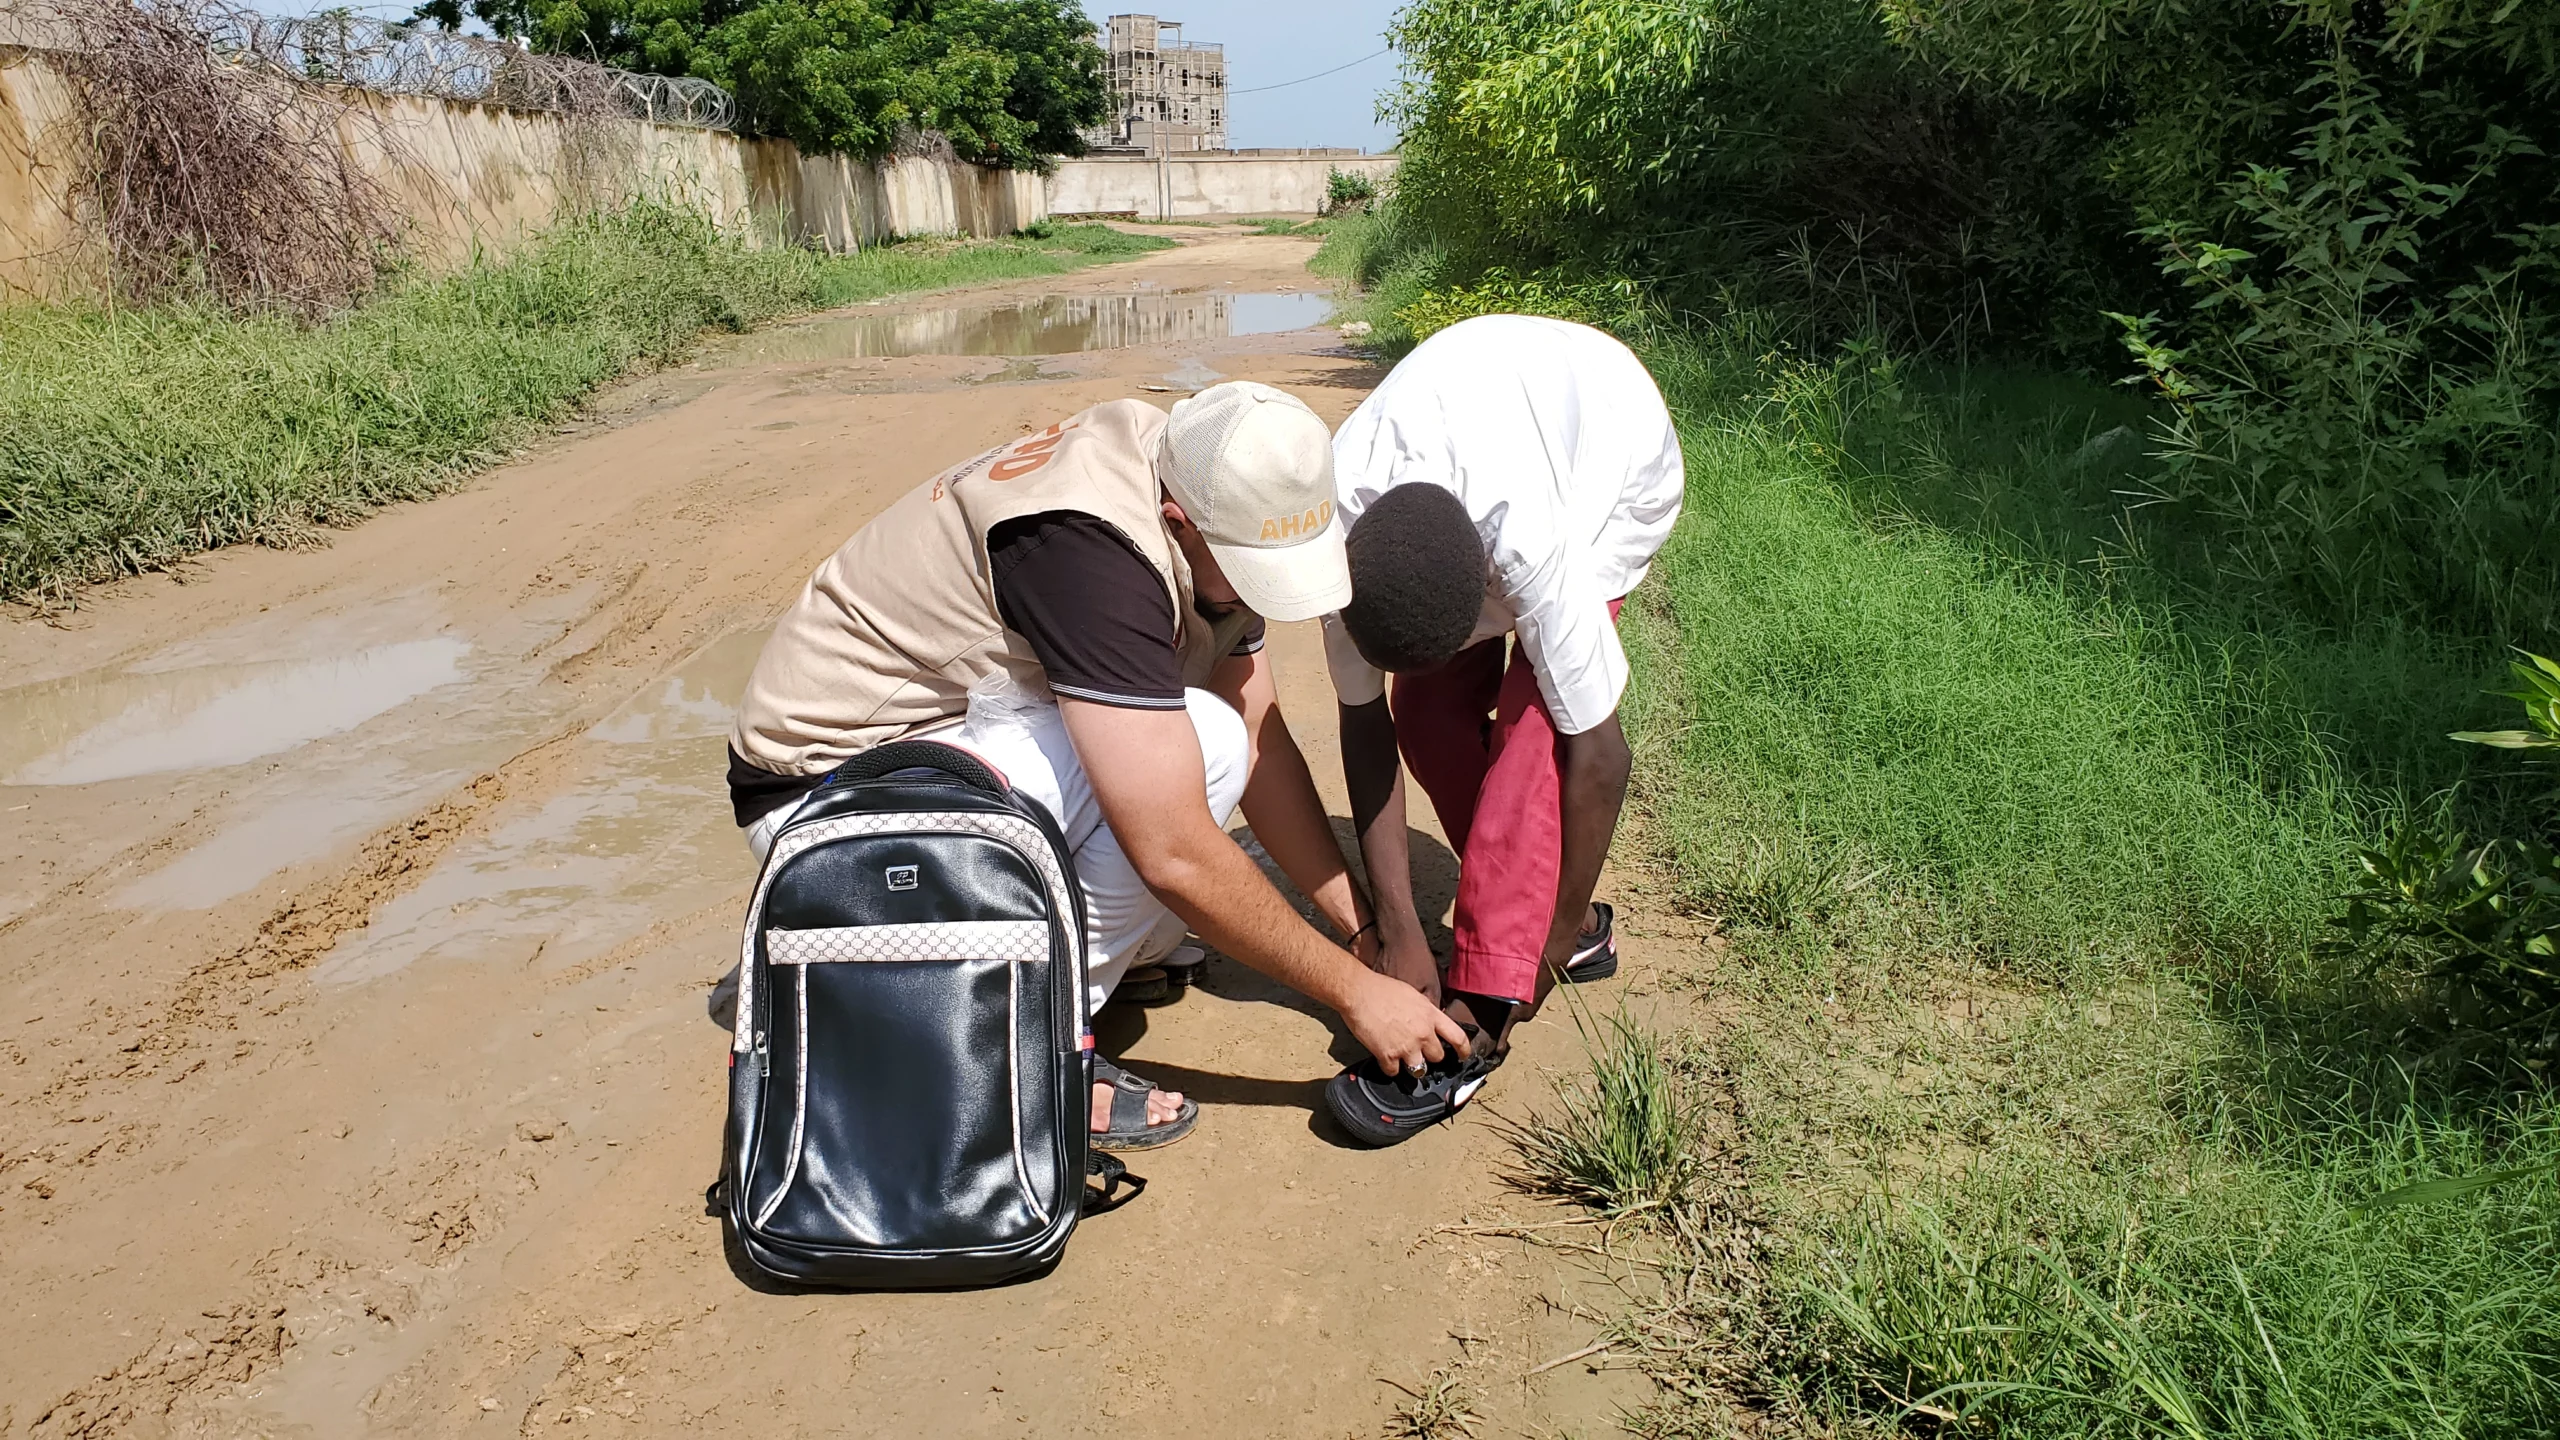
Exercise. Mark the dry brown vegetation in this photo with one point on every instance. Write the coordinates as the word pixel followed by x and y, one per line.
pixel 215 169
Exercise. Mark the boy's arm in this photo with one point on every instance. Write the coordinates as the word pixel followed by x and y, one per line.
pixel 1374 774
pixel 1597 763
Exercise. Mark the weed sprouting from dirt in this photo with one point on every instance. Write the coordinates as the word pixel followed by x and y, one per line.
pixel 1778 883
pixel 1621 1143
pixel 216 170
pixel 1443 1409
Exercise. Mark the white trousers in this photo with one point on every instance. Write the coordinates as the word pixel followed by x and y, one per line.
pixel 1125 924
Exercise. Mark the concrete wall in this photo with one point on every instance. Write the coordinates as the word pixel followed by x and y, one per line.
pixel 41 249
pixel 1178 187
pixel 469 177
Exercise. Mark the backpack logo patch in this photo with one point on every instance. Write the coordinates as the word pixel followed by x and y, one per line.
pixel 903 877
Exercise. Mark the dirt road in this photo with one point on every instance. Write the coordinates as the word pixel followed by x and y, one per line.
pixel 356 909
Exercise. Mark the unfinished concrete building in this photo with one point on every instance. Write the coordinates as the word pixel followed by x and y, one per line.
pixel 1167 96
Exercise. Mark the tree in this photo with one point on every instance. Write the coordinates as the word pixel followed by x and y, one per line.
pixel 1010 82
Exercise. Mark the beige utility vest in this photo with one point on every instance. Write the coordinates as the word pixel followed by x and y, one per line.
pixel 896 626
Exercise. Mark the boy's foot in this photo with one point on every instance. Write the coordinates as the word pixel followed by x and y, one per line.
pixel 1595 951
pixel 1133 1114
pixel 1381 1109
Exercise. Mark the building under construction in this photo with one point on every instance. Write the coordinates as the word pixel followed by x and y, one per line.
pixel 1167 97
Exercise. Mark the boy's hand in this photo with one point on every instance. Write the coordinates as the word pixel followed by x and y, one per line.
pixel 1394 1022
pixel 1411 962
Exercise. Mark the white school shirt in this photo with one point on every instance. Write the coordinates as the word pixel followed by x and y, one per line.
pixel 1557 441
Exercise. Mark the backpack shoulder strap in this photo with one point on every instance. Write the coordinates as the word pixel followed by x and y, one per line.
pixel 1118 1186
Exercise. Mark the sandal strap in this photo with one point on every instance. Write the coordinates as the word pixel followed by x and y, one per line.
pixel 1129 1102
pixel 1128 1097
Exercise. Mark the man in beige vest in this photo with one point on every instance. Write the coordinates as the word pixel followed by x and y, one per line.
pixel 1083 607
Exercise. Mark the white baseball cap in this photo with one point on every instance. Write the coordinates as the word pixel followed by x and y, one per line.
pixel 1253 468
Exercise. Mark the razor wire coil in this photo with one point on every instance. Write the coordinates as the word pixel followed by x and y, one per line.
pixel 336 48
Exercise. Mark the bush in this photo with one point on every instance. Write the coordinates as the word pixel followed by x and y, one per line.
pixel 1347 190
pixel 2337 224
pixel 2363 433
pixel 1007 82
pixel 2483 921
pixel 1499 292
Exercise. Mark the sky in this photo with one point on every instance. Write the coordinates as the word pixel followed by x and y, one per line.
pixel 1272 43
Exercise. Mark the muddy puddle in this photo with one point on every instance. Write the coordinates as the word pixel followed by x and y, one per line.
pixel 1047 325
pixel 117 724
pixel 644 830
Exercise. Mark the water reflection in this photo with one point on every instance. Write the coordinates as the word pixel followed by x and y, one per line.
pixel 110 725
pixel 1050 325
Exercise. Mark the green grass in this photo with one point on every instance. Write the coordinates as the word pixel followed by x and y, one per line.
pixel 2022 832
pixel 1622 1143
pixel 1283 225
pixel 132 438
pixel 1382 263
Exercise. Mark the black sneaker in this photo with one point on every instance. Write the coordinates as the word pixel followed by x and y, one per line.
pixel 1381 1109
pixel 1595 952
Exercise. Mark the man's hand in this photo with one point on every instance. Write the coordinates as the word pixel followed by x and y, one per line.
pixel 1148 776
pixel 1394 1022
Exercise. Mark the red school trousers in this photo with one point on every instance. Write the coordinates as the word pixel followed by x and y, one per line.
pixel 1477 736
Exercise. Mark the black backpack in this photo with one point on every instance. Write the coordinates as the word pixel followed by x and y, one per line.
pixel 908 1083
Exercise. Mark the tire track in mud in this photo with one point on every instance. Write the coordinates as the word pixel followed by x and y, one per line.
pixel 176 835
pixel 659 932
pixel 241 985
pixel 244 1340
pixel 430 1210
pixel 227 1347
pixel 89 1108
pixel 439 1204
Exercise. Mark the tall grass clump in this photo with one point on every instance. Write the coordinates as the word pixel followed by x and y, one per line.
pixel 1621 1142
pixel 132 437
pixel 2262 1302
pixel 1385 260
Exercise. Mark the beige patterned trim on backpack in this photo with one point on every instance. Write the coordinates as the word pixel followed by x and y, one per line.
pixel 1019 941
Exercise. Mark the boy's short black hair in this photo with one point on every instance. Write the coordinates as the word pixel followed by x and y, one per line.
pixel 1417 578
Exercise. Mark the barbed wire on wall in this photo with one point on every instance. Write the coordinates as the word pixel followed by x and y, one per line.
pixel 388 58
pixel 394 59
